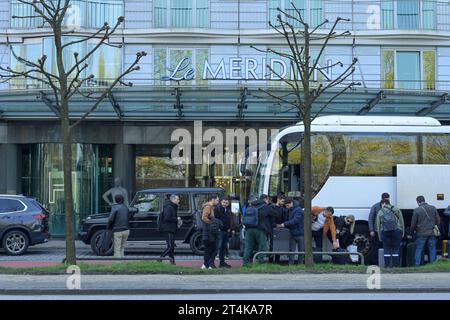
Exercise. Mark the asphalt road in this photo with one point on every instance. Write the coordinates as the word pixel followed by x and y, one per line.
pixel 221 283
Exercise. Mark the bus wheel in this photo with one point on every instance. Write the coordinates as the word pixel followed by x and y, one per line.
pixel 362 239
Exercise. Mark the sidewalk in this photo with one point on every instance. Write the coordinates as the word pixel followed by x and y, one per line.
pixel 185 263
pixel 236 283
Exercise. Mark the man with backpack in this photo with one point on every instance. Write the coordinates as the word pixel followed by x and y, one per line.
pixel 169 225
pixel 375 243
pixel 425 218
pixel 390 226
pixel 258 224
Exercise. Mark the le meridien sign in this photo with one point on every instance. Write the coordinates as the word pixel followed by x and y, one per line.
pixel 242 69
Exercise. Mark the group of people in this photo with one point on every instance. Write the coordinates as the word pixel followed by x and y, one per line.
pixel 387 229
pixel 286 212
pixel 261 216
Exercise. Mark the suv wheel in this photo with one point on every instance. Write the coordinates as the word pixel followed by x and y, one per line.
pixel 15 242
pixel 196 243
pixel 95 243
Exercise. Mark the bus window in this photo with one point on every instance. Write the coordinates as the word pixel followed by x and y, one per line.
pixel 436 149
pixel 376 155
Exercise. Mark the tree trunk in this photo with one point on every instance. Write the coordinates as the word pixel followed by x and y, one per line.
pixel 68 197
pixel 307 172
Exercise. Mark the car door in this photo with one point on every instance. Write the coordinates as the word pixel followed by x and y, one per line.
pixel 143 225
pixel 184 212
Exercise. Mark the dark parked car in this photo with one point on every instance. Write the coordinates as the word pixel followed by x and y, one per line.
pixel 23 223
pixel 143 224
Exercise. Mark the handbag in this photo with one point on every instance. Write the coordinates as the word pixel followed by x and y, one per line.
pixel 436 231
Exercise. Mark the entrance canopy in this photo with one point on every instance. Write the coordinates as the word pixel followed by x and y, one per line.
pixel 222 103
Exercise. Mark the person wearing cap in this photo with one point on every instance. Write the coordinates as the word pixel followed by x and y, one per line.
pixel 323 226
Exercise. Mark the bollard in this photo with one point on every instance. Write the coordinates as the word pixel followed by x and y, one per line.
pixel 445 249
pixel 381 258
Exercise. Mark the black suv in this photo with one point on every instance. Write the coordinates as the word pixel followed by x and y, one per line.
pixel 143 224
pixel 23 223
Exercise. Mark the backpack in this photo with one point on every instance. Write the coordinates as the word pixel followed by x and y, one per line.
pixel 389 220
pixel 251 217
pixel 159 221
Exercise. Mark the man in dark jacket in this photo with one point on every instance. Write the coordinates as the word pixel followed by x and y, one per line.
pixel 223 213
pixel 256 236
pixel 424 218
pixel 296 227
pixel 374 237
pixel 118 222
pixel 169 225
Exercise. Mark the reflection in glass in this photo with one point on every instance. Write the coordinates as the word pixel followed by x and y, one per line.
pixel 43 178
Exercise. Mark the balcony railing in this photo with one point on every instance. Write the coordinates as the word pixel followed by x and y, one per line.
pixel 378 14
pixel 82 13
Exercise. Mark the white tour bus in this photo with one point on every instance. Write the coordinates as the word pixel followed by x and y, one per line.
pixel 357 158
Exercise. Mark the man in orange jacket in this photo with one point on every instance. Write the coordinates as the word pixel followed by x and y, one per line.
pixel 323 226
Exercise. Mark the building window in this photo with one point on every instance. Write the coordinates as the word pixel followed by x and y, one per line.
pixel 105 64
pixel 402 69
pixel 31 52
pixel 408 14
pixel 82 13
pixel 167 59
pixel 181 13
pixel 311 11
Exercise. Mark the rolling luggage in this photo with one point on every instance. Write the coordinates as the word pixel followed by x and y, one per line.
pixel 281 239
pixel 408 253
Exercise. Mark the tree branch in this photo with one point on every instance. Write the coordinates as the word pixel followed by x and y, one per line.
pixel 332 99
pixel 131 68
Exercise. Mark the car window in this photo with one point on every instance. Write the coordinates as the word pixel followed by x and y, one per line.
pixel 184 206
pixel 3 206
pixel 148 202
pixel 10 205
pixel 200 198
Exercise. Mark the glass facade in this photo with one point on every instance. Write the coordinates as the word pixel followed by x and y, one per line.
pixel 82 13
pixel 42 177
pixel 105 64
pixel 155 169
pixel 311 11
pixel 181 13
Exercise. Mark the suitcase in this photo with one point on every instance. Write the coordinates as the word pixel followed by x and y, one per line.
pixel 408 254
pixel 281 239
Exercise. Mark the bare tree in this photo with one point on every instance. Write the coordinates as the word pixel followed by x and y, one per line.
pixel 67 82
pixel 302 91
